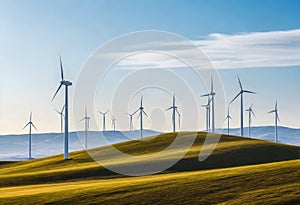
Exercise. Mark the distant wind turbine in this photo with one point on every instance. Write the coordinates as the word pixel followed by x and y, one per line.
pixel 61 118
pixel 276 121
pixel 242 91
pixel 179 121
pixel 130 121
pixel 87 125
pixel 113 122
pixel 141 109
pixel 212 95
pixel 228 118
pixel 30 123
pixel 103 119
pixel 207 107
pixel 174 111
pixel 250 111
pixel 66 84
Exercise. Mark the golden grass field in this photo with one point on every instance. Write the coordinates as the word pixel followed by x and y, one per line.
pixel 239 171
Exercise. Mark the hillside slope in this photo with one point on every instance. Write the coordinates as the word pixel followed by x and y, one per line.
pixel 237 168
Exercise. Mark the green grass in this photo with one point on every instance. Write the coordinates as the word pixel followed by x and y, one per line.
pixel 239 171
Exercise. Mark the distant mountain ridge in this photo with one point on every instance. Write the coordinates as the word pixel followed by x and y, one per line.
pixel 15 147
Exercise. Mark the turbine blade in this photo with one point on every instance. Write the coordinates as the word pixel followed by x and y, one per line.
pixel 271 111
pixel 168 109
pixel 177 112
pixel 57 111
pixel 235 97
pixel 141 101
pixel 135 111
pixel 56 91
pixel 247 91
pixel 145 113
pixel 62 109
pixel 26 125
pixel 106 112
pixel 277 117
pixel 61 68
pixel 253 113
pixel 34 127
pixel 211 85
pixel 205 95
pixel 30 116
pixel 240 83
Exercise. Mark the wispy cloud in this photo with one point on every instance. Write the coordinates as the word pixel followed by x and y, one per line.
pixel 244 50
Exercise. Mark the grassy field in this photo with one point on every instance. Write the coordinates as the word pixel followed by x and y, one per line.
pixel 239 171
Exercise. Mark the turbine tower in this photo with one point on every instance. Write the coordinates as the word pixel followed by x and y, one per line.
pixel 130 121
pixel 276 121
pixel 242 91
pixel 61 118
pixel 250 111
pixel 66 83
pixel 87 125
pixel 174 111
pixel 228 118
pixel 30 123
pixel 212 96
pixel 179 121
pixel 103 119
pixel 113 122
pixel 207 107
pixel 141 109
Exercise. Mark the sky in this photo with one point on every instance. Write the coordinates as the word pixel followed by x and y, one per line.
pixel 257 40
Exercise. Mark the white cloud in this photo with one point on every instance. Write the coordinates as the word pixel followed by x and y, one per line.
pixel 244 50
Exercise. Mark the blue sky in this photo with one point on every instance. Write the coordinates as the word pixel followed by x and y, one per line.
pixel 33 33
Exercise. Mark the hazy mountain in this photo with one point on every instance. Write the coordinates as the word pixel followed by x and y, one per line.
pixel 15 147
pixel 285 135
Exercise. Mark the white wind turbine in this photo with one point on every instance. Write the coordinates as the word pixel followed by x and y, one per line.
pixel 61 114
pixel 207 107
pixel 212 95
pixel 250 111
pixel 276 121
pixel 242 91
pixel 141 109
pixel 130 121
pixel 30 123
pixel 113 122
pixel 228 118
pixel 66 84
pixel 174 111
pixel 87 125
pixel 103 119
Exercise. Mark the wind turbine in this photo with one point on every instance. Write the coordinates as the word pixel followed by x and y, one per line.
pixel 242 109
pixel 179 120
pixel 130 121
pixel 228 118
pixel 212 95
pixel 207 107
pixel 174 110
pixel 30 123
pixel 250 111
pixel 87 125
pixel 66 83
pixel 61 117
pixel 141 109
pixel 103 119
pixel 276 121
pixel 113 122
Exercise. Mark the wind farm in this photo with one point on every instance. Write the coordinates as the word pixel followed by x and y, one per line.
pixel 149 102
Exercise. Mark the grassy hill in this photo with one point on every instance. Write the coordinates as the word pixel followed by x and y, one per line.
pixel 240 170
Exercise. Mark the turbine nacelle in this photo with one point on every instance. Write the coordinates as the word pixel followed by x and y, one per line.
pixel 66 83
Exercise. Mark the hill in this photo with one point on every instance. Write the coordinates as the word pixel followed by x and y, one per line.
pixel 239 170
